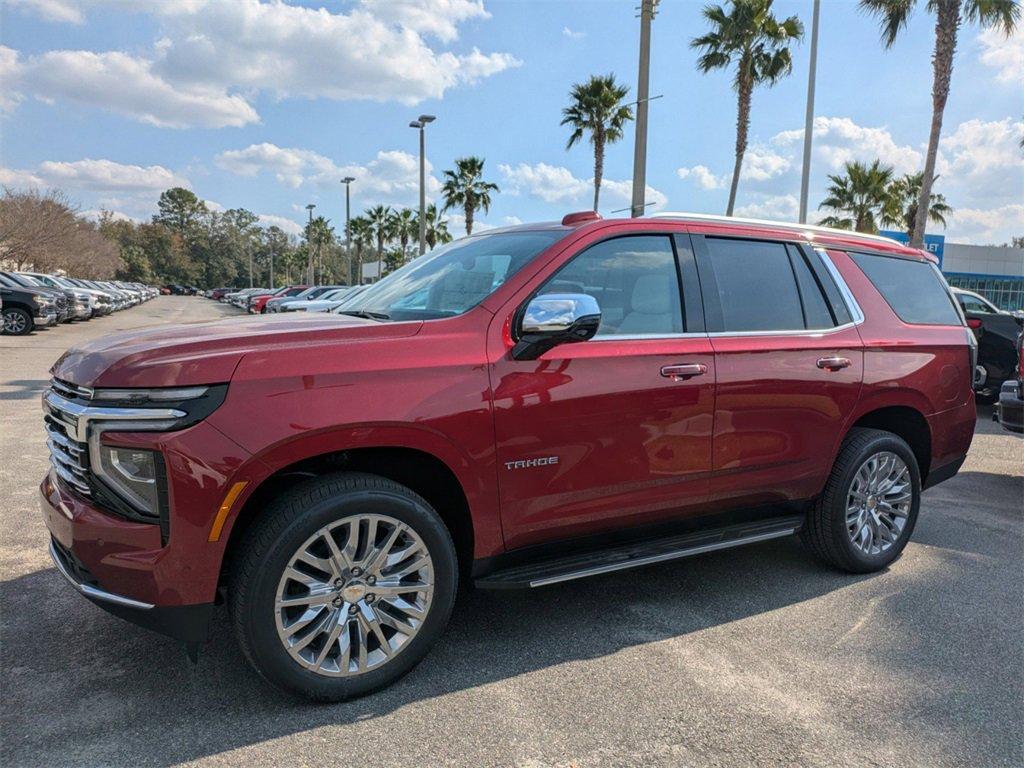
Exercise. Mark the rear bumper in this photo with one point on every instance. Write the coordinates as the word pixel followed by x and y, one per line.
pixel 1009 411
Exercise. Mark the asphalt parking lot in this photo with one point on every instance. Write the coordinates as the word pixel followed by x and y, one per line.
pixel 759 656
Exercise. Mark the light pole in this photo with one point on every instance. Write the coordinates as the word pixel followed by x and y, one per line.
pixel 309 244
pixel 347 181
pixel 272 266
pixel 420 124
pixel 809 118
pixel 642 86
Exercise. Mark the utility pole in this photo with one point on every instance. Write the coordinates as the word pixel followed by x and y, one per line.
pixel 249 248
pixel 420 123
pixel 347 181
pixel 309 245
pixel 271 267
pixel 805 178
pixel 642 87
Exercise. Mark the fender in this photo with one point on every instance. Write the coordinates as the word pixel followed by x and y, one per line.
pixel 481 497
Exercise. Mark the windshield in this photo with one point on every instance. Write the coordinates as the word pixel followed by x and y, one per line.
pixel 451 279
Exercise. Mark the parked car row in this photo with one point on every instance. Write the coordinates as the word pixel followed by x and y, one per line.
pixel 290 298
pixel 32 300
pixel 997 333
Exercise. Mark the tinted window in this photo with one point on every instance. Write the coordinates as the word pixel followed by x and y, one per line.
pixel 816 309
pixel 973 304
pixel 914 289
pixel 756 286
pixel 635 283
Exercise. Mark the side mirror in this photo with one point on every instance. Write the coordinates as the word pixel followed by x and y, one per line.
pixel 553 319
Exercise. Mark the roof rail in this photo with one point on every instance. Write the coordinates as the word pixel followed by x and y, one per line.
pixel 765 222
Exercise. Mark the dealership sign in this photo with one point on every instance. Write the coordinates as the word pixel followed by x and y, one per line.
pixel 934 244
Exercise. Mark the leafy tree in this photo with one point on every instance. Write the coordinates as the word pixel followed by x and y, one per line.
pixel 380 224
pixel 134 265
pixel 905 192
pixel 596 109
pixel 403 227
pixel 893 16
pixel 749 38
pixel 464 187
pixel 180 210
pixel 436 229
pixel 860 197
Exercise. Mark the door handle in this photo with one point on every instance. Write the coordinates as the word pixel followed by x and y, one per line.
pixel 683 371
pixel 833 363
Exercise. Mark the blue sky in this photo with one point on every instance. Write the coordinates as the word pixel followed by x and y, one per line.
pixel 267 105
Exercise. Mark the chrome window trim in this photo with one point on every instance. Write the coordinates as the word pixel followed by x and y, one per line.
pixel 797 332
pixel 649 336
pixel 844 290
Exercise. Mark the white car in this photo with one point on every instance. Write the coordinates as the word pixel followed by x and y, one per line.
pixel 325 303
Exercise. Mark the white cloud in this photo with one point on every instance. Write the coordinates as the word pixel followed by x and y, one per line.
pixel 572 34
pixel 512 221
pixel 771 207
pixel 982 161
pixel 556 185
pixel 1004 54
pixel 992 226
pixel 66 11
pixel 392 177
pixel 95 214
pixel 213 58
pixel 287 225
pixel 130 189
pixel 838 140
pixel 762 164
pixel 703 176
pixel 127 85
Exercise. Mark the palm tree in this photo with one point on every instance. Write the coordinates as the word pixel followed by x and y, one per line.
pixel 751 38
pixel 906 192
pixel 464 187
pixel 403 225
pixel 950 14
pixel 436 229
pixel 361 232
pixel 862 194
pixel 596 108
pixel 380 223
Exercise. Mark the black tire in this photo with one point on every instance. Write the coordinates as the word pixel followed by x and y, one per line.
pixel 825 532
pixel 269 544
pixel 17 322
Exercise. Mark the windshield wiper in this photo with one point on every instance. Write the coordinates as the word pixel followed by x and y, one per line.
pixel 365 313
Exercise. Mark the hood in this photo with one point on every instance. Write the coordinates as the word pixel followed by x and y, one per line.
pixel 208 353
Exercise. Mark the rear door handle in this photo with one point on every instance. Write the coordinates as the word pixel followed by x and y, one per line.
pixel 683 371
pixel 833 363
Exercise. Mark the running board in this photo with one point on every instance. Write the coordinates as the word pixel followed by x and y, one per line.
pixel 633 555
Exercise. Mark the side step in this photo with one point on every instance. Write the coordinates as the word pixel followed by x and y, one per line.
pixel 635 554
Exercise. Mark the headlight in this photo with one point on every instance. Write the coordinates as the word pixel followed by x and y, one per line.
pixel 132 472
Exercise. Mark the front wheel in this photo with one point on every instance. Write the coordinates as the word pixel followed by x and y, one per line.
pixel 864 518
pixel 345 584
pixel 17 322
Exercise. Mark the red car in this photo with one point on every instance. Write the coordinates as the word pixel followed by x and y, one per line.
pixel 258 304
pixel 518 408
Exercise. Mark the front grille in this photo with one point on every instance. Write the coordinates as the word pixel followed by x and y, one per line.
pixel 69 390
pixel 68 457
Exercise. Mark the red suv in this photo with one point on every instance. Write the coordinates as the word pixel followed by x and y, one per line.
pixel 518 408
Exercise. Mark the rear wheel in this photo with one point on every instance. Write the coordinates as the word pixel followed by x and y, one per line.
pixel 866 514
pixel 343 586
pixel 17 322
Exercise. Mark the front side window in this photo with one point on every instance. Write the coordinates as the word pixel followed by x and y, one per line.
pixel 974 304
pixel 914 289
pixel 452 278
pixel 634 280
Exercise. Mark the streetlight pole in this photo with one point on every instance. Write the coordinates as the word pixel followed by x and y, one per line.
pixel 271 267
pixel 309 245
pixel 347 181
pixel 805 178
pixel 642 87
pixel 421 123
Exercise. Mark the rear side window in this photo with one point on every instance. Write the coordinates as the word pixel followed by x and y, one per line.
pixel 914 289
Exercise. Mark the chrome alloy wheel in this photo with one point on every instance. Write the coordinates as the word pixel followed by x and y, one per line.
pixel 354 594
pixel 14 323
pixel 878 504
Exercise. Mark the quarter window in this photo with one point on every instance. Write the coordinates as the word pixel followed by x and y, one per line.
pixel 634 280
pixel 914 289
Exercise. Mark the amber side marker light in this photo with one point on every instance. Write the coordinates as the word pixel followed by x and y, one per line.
pixel 225 507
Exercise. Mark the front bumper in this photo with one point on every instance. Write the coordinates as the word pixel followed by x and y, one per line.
pixel 1009 411
pixel 82 311
pixel 107 560
pixel 43 320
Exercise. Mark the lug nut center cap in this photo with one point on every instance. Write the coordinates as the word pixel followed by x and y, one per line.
pixel 353 593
